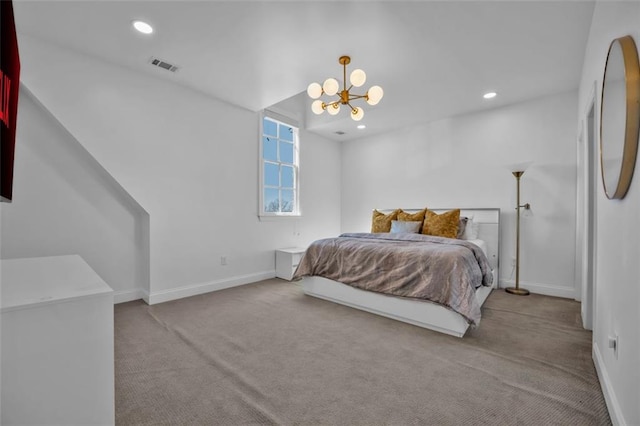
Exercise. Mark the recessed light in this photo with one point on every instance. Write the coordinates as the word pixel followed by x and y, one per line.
pixel 143 27
pixel 361 126
pixel 489 95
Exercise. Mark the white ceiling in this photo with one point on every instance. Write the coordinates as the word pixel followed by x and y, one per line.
pixel 433 59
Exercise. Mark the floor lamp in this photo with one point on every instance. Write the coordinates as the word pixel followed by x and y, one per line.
pixel 517 290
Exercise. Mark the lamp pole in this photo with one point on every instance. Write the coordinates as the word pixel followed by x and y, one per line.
pixel 517 290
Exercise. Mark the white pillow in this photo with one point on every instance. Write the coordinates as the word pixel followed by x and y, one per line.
pixel 400 227
pixel 471 231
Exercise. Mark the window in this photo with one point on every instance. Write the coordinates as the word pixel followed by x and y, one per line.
pixel 278 168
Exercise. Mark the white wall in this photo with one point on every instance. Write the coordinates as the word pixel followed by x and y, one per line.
pixel 617 305
pixel 464 162
pixel 191 161
pixel 65 203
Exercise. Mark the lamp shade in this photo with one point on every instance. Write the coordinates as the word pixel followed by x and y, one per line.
pixel 358 77
pixel 314 90
pixel 374 95
pixel 333 109
pixel 519 167
pixel 317 107
pixel 330 86
pixel 357 114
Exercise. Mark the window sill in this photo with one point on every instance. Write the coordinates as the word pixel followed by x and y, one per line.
pixel 278 217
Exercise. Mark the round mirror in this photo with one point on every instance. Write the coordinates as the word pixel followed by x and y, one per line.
pixel 619 117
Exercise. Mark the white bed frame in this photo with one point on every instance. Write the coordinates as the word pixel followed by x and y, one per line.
pixel 421 313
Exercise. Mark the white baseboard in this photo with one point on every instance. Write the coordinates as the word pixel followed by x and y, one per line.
pixel 195 289
pixel 546 289
pixel 607 390
pixel 123 296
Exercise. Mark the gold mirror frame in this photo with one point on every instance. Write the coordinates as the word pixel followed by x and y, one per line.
pixel 632 118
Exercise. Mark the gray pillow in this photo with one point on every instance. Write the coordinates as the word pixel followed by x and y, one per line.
pixel 400 227
pixel 471 229
pixel 462 225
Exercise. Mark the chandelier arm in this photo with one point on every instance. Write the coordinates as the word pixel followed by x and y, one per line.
pixel 352 97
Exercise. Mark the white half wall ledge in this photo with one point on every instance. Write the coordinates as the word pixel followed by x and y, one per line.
pixel 208 287
pixel 544 289
pixel 615 413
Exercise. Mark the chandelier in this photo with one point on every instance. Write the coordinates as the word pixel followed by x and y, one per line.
pixel 331 87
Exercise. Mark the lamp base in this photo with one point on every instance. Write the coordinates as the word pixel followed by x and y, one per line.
pixel 517 291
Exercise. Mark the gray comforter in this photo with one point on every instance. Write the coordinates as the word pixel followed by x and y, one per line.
pixel 442 270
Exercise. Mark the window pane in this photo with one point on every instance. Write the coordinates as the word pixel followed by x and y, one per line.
pixel 269 148
pixel 286 152
pixel 271 174
pixel 279 162
pixel 269 127
pixel 286 133
pixel 271 202
pixel 286 176
pixel 287 200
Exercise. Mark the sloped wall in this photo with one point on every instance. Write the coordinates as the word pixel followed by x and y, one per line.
pixel 191 161
pixel 66 203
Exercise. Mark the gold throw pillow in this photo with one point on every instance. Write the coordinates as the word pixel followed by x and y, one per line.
pixel 442 225
pixel 412 217
pixel 381 222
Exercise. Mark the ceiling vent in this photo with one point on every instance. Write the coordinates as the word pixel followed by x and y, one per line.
pixel 163 64
pixel 340 132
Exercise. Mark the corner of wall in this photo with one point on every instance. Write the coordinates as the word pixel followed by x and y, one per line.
pixel 613 406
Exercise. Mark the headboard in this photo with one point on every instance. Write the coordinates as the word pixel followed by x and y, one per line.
pixel 488 221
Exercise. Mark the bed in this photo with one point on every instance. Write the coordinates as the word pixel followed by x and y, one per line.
pixel 440 316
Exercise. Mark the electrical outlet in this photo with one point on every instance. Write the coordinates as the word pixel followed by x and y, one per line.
pixel 223 260
pixel 614 342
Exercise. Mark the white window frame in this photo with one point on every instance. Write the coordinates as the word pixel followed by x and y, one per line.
pixel 280 119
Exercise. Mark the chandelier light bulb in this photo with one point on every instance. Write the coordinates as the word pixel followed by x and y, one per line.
pixel 357 114
pixel 317 107
pixel 314 90
pixel 330 86
pixel 358 77
pixel 333 109
pixel 374 95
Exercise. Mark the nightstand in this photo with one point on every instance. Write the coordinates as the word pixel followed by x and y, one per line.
pixel 287 260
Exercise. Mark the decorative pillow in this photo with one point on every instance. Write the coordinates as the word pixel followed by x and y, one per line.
pixel 405 226
pixel 412 217
pixel 471 230
pixel 381 222
pixel 462 225
pixel 442 225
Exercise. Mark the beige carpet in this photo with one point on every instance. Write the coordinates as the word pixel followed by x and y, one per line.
pixel 265 353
